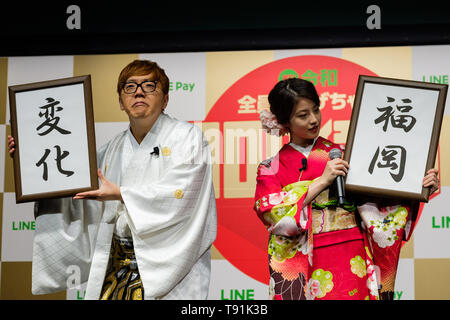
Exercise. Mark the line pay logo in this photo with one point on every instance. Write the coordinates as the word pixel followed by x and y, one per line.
pixel 181 86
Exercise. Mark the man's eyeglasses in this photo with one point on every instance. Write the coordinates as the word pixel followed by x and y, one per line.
pixel 146 86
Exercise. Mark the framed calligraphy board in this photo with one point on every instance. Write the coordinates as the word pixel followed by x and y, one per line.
pixel 52 123
pixel 393 137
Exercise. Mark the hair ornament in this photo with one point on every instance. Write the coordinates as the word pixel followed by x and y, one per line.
pixel 270 124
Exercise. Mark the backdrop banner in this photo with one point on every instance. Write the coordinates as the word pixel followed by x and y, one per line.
pixel 223 93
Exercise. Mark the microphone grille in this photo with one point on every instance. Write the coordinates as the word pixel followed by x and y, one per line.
pixel 335 153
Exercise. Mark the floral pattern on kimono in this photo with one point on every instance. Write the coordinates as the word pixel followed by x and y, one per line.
pixel 387 227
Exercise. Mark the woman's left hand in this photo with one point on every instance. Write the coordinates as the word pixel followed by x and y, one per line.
pixel 431 180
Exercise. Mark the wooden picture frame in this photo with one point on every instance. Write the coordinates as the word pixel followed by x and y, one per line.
pixel 52 123
pixel 393 137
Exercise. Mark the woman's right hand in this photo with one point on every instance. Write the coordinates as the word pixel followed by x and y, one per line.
pixel 11 146
pixel 334 168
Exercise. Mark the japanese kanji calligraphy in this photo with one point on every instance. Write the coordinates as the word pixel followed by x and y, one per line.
pixel 50 120
pixel 402 120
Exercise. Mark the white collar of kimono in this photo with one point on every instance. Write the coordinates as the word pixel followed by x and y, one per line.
pixel 153 131
pixel 304 150
pixel 133 141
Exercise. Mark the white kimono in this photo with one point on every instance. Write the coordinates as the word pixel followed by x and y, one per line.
pixel 169 210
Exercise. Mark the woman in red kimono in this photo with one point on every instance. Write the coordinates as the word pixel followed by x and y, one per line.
pixel 317 249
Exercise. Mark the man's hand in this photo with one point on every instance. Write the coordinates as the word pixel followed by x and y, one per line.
pixel 11 145
pixel 108 191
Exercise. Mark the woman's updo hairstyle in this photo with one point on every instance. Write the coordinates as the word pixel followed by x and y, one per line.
pixel 284 96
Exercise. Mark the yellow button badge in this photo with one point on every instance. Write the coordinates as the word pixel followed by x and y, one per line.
pixel 179 194
pixel 166 151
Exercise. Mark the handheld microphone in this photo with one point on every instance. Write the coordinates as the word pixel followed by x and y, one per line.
pixel 339 182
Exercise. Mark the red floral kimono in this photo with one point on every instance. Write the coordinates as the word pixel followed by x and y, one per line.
pixel 319 250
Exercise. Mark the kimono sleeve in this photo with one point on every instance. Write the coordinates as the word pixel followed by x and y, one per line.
pixel 389 222
pixel 280 209
pixel 387 227
pixel 64 241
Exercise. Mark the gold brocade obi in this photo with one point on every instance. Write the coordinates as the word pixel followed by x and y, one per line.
pixel 330 218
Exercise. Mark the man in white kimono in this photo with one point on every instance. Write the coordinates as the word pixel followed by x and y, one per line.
pixel 156 194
